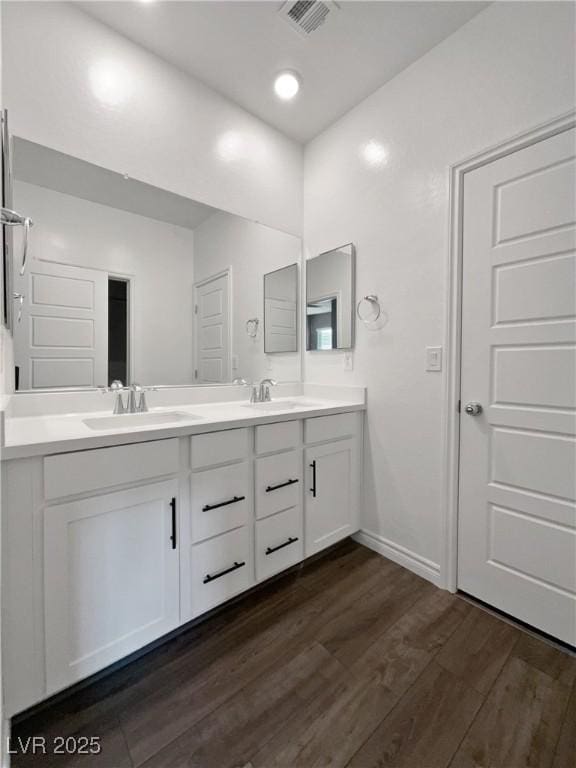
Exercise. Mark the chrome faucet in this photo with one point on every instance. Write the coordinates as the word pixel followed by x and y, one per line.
pixel 134 405
pixel 139 406
pixel 117 387
pixel 264 390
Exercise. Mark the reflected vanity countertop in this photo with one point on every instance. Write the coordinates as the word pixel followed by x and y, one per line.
pixel 39 435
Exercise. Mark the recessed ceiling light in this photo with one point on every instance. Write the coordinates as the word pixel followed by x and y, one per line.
pixel 287 85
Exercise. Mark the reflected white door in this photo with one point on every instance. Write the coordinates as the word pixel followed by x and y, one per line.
pixel 212 313
pixel 61 339
pixel 280 330
pixel 517 513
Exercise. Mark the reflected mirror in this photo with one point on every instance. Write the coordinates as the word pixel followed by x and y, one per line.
pixel 128 281
pixel 330 300
pixel 281 310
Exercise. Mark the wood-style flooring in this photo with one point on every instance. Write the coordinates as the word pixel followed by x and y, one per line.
pixel 349 661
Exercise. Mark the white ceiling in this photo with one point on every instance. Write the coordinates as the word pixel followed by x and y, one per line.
pixel 36 164
pixel 237 46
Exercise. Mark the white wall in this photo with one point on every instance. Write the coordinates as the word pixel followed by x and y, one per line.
pixel 76 86
pixel 251 250
pixel 158 258
pixel 379 178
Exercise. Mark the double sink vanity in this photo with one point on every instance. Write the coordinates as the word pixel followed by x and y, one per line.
pixel 118 529
pixel 129 511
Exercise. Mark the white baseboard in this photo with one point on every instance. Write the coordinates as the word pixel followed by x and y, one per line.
pixel 404 557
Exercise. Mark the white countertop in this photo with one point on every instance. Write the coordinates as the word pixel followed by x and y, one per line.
pixel 60 433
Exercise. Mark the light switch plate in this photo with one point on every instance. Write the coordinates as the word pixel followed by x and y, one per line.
pixel 348 361
pixel 433 358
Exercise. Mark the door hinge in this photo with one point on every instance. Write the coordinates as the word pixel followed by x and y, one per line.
pixel 195 309
pixel 459 406
pixel 195 373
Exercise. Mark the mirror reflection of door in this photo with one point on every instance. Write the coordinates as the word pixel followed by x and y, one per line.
pixel 60 330
pixel 322 324
pixel 281 310
pixel 212 314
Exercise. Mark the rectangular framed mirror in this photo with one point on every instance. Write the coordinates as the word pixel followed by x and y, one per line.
pixel 281 310
pixel 330 300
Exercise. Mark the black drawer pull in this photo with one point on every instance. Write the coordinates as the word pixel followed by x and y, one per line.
pixel 212 577
pixel 281 485
pixel 291 540
pixel 208 507
pixel 313 489
pixel 173 534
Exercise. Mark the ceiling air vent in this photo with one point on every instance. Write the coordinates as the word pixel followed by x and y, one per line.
pixel 305 16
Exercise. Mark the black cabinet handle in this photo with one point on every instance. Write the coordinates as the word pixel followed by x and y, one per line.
pixel 313 489
pixel 281 485
pixel 173 534
pixel 208 507
pixel 212 577
pixel 291 540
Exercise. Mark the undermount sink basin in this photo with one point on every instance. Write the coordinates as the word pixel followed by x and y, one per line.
pixel 126 420
pixel 280 405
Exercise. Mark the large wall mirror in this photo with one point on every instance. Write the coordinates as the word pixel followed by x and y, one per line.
pixel 128 281
pixel 330 300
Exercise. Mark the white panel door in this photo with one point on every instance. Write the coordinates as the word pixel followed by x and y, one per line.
pixel 280 325
pixel 331 509
pixel 517 514
pixel 212 313
pixel 111 580
pixel 61 339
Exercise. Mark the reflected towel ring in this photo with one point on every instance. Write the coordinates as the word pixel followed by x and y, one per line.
pixel 252 327
pixel 374 312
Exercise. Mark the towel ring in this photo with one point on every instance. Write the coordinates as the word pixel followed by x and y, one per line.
pixel 252 327
pixel 372 301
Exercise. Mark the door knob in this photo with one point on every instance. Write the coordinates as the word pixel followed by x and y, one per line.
pixel 474 409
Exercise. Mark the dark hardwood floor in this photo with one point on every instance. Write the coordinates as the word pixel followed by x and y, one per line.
pixel 350 661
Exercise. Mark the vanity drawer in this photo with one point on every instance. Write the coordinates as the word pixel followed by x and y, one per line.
pixel 219 447
pixel 85 471
pixel 330 427
pixel 221 568
pixel 278 482
pixel 220 500
pixel 277 437
pixel 278 542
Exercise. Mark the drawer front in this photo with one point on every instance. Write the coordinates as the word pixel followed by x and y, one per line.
pixel 324 428
pixel 278 482
pixel 85 471
pixel 219 447
pixel 278 542
pixel 277 437
pixel 221 568
pixel 221 500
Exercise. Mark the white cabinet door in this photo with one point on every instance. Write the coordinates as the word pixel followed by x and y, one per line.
pixel 331 511
pixel 111 578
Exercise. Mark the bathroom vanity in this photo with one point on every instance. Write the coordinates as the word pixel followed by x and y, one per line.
pixel 129 510
pixel 113 538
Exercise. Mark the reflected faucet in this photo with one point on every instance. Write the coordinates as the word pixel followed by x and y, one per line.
pixel 134 405
pixel 264 391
